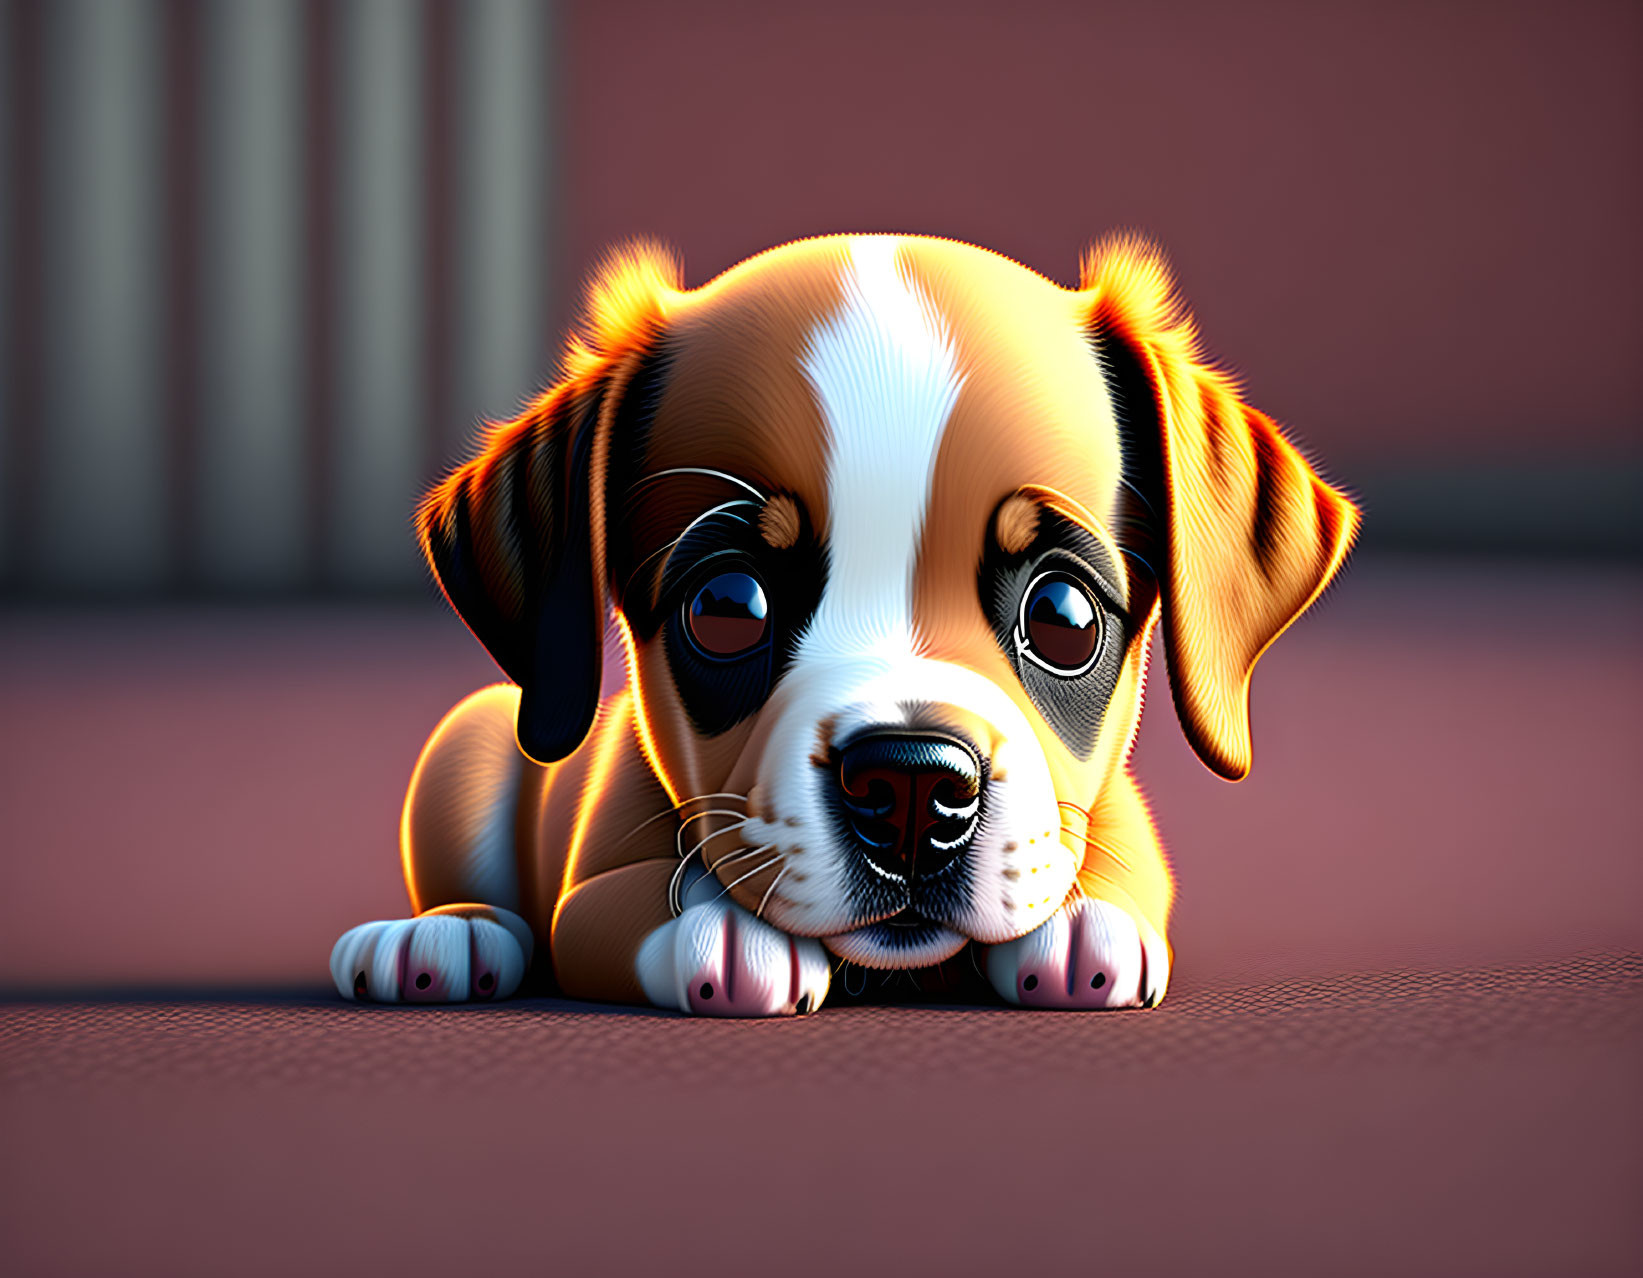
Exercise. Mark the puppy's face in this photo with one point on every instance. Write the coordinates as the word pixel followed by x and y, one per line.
pixel 885 524
pixel 866 561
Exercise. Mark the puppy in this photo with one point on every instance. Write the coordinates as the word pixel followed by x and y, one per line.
pixel 880 528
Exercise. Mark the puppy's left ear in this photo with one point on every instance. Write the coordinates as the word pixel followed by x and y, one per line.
pixel 516 536
pixel 508 536
pixel 1250 534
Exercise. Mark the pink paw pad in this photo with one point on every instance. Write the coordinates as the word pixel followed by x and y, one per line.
pixel 716 959
pixel 438 957
pixel 1089 954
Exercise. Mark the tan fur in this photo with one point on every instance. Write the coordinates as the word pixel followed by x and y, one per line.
pixel 1017 523
pixel 779 522
pixel 1253 537
pixel 469 768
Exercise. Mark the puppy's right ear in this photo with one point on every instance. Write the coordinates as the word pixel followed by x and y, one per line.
pixel 512 535
pixel 1251 534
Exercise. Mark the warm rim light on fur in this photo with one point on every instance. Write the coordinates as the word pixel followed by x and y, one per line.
pixel 1131 281
pixel 1218 455
pixel 625 305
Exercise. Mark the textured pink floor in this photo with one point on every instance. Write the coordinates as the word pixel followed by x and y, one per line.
pixel 1406 1032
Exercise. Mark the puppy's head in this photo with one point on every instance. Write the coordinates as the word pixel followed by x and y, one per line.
pixel 885 524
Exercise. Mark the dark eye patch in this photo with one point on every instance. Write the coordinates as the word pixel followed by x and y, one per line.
pixel 1060 620
pixel 728 608
pixel 652 583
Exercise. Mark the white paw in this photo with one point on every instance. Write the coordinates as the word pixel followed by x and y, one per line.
pixel 716 959
pixel 449 955
pixel 1087 954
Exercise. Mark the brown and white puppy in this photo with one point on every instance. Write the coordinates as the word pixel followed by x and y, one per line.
pixel 879 528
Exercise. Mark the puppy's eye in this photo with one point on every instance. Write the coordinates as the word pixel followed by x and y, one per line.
pixel 728 616
pixel 1060 626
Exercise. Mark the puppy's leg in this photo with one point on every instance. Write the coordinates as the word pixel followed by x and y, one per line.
pixel 459 842
pixel 1105 946
pixel 615 939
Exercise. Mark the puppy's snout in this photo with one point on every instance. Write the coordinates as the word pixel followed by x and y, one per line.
pixel 911 801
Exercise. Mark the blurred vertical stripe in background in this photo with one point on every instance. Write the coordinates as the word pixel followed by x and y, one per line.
pixel 8 116
pixel 500 300
pixel 103 482
pixel 266 264
pixel 250 506
pixel 380 289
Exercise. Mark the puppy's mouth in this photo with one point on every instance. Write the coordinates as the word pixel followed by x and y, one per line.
pixel 904 940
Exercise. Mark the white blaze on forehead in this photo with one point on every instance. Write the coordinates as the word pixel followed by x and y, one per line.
pixel 884 372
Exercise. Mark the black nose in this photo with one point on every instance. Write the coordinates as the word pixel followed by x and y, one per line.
pixel 911 801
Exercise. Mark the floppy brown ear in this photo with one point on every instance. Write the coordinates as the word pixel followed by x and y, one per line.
pixel 514 535
pixel 1250 535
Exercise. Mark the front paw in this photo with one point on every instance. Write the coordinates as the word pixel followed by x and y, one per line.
pixel 716 959
pixel 453 954
pixel 1088 954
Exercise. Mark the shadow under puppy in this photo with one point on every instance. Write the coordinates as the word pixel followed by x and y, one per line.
pixel 882 525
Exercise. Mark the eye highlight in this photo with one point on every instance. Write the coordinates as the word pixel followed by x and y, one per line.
pixel 728 615
pixel 1059 627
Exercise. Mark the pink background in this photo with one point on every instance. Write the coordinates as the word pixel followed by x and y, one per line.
pixel 1412 227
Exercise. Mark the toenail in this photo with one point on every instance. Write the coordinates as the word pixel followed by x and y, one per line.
pixel 803 1009
pixel 1031 983
pixel 486 981
pixel 423 980
pixel 707 991
pixel 1098 980
pixel 361 986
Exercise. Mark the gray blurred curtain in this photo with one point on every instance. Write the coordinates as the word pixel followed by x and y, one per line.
pixel 265 264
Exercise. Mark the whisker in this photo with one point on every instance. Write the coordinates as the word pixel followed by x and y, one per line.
pixel 627 586
pixel 722 508
pixel 1098 845
pixel 758 869
pixel 765 899
pixel 679 837
pixel 696 470
pixel 729 829
pixel 674 900
pixel 733 857
pixel 673 811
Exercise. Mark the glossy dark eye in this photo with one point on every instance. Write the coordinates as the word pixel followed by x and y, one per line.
pixel 1060 625
pixel 728 616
